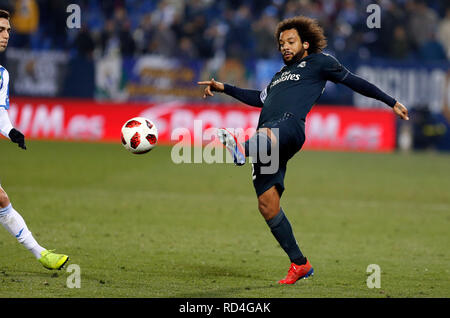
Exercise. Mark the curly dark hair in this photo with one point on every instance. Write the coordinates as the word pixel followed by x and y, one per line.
pixel 308 29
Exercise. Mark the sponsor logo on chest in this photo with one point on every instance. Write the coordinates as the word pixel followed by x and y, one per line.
pixel 286 76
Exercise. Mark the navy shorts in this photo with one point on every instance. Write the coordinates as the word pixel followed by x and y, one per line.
pixel 290 138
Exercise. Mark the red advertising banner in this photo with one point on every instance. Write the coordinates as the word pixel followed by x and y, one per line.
pixel 347 128
pixel 331 128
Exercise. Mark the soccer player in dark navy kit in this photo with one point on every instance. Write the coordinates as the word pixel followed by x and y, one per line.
pixel 285 102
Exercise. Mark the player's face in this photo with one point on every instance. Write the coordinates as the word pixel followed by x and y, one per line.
pixel 291 46
pixel 5 29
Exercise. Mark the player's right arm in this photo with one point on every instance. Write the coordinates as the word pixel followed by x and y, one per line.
pixel 368 89
pixel 6 127
pixel 248 96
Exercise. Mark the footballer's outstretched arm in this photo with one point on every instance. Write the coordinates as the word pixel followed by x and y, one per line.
pixel 248 96
pixel 366 88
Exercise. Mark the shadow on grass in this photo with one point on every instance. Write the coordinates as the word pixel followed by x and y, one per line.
pixel 216 274
pixel 232 292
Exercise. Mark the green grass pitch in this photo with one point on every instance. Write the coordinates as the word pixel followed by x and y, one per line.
pixel 142 226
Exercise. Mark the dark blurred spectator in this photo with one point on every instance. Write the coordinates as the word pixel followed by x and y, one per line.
pixel 194 8
pixel 53 17
pixel 239 42
pixel 25 20
pixel 444 32
pixel 195 30
pixel 349 13
pixel 242 28
pixel 84 43
pixel 392 29
pixel 432 50
pixel 187 49
pixel 422 22
pixel 164 13
pixel 399 47
pixel 108 7
pixel 117 37
pixel 162 41
pixel 215 36
pixel 264 34
pixel 178 25
pixel 291 9
pixel 120 18
pixel 109 41
pixel 127 44
pixel 142 33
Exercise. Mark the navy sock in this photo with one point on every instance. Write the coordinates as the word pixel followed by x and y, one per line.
pixel 282 230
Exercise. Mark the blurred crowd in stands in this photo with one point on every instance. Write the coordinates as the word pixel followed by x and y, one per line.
pixel 410 29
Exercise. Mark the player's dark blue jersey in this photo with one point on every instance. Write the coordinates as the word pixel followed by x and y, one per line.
pixel 297 87
pixel 288 99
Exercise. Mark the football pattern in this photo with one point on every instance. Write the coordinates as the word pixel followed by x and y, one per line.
pixel 139 135
pixel 132 123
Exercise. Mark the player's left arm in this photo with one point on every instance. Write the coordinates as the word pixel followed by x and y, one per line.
pixel 334 71
pixel 368 89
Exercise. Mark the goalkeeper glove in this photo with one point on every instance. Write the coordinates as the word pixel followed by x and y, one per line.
pixel 17 137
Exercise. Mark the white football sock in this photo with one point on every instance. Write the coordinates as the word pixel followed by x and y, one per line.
pixel 15 224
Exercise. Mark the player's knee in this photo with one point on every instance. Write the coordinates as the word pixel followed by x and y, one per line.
pixel 4 200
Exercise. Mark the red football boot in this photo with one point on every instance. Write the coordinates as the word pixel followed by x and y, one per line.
pixel 296 272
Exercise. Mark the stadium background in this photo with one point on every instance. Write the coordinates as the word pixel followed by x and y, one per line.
pixel 150 53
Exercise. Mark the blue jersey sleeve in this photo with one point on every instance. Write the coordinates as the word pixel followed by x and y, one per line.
pixel 332 70
pixel 368 89
pixel 247 96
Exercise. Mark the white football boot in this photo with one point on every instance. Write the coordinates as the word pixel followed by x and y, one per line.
pixel 234 147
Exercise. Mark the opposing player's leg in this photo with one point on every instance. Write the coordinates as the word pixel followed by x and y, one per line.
pixel 13 222
pixel 269 207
